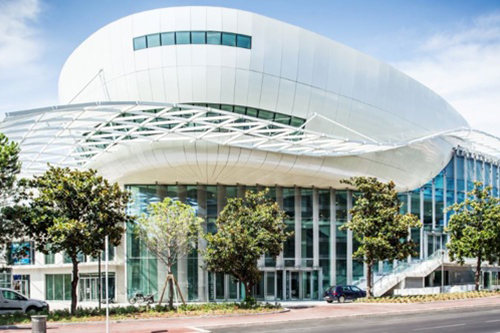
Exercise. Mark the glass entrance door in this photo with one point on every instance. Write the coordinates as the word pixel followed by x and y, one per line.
pixel 294 286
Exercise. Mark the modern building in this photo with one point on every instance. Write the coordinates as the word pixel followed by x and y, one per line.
pixel 203 103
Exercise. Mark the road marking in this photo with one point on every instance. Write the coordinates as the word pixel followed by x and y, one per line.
pixel 492 321
pixel 201 330
pixel 437 327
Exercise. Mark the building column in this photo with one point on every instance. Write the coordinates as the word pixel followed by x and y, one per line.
pixel 349 239
pixel 182 275
pixel 280 262
pixel 202 244
pixel 333 238
pixel 298 228
pixel 423 249
pixel 433 205
pixel 315 202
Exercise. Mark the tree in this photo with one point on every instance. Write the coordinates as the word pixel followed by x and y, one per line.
pixel 10 166
pixel 246 230
pixel 170 230
pixel 474 229
pixel 72 211
pixel 378 225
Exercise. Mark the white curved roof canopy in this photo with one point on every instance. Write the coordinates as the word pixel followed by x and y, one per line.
pixel 76 135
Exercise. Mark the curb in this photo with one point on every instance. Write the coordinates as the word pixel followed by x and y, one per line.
pixel 10 327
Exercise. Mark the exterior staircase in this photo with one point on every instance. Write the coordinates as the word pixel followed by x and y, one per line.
pixel 384 283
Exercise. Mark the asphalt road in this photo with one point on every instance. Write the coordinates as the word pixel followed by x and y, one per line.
pixel 456 321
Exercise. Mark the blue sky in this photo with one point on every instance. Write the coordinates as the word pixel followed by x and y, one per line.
pixel 451 46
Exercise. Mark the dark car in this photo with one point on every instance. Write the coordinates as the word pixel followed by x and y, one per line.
pixel 343 293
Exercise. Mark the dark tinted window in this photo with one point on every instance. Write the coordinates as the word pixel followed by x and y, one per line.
pixel 243 41
pixel 228 39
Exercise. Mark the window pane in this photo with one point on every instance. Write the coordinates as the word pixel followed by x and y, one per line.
pixel 140 43
pixel 267 115
pixel 153 40
pixel 168 38
pixel 239 109
pixel 282 119
pixel 243 41
pixel 182 37
pixel 252 112
pixel 297 122
pixel 228 39
pixel 198 37
pixel 213 38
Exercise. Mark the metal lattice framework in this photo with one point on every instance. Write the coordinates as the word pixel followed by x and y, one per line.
pixel 75 135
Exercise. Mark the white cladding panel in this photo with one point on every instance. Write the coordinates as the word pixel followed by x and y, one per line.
pixel 288 70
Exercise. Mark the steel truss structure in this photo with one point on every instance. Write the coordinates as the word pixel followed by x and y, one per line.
pixel 76 135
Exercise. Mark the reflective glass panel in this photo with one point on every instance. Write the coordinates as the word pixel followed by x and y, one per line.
pixel 168 38
pixel 214 38
pixel 182 37
pixel 228 39
pixel 198 37
pixel 153 40
pixel 244 41
pixel 140 43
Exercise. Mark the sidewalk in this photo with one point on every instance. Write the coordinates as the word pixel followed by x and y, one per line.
pixel 203 324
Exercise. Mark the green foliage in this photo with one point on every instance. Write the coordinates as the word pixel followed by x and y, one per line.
pixel 378 225
pixel 246 230
pixel 10 166
pixel 170 230
pixel 72 211
pixel 474 228
pixel 430 298
pixel 133 312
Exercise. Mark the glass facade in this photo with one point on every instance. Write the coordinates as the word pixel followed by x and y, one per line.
pixel 192 37
pixel 320 253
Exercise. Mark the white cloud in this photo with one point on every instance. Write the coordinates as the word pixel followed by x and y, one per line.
pixel 463 66
pixel 24 76
pixel 18 43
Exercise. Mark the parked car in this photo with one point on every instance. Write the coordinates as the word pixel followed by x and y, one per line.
pixel 343 293
pixel 12 301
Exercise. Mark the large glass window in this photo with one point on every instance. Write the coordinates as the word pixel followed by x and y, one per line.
pixel 289 208
pixel 307 227
pixel 58 287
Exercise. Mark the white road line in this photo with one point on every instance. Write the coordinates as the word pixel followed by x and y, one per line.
pixel 492 321
pixel 201 330
pixel 438 327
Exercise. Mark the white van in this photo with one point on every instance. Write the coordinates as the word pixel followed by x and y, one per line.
pixel 12 301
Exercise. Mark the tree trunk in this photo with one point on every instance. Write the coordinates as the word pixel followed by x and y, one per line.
pixel 478 273
pixel 369 280
pixel 248 290
pixel 74 285
pixel 171 292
